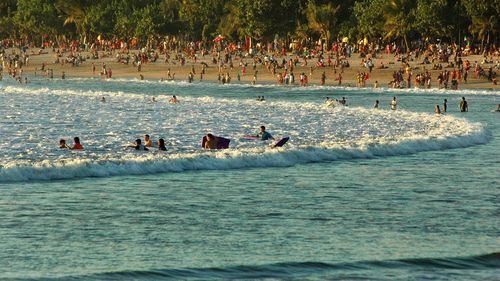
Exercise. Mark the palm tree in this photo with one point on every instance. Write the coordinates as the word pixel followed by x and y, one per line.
pixel 483 26
pixel 74 12
pixel 322 18
pixel 399 19
pixel 231 21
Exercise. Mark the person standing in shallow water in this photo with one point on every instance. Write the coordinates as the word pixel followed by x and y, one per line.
pixel 437 110
pixel 394 103
pixel 463 105
pixel 445 105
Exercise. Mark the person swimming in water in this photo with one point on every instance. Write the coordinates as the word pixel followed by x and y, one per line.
pixel 211 142
pixel 138 146
pixel 62 143
pixel 376 104
pixel 161 145
pixel 498 108
pixel 173 99
pixel 77 145
pixel 147 141
pixel 264 135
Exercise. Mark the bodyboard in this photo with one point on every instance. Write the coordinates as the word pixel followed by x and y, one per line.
pixel 281 142
pixel 222 143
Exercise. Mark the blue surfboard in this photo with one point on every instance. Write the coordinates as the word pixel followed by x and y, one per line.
pixel 281 142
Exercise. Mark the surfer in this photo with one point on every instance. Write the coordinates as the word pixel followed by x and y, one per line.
pixel 77 145
pixel 211 142
pixel 147 141
pixel 394 103
pixel 161 145
pixel 138 146
pixel 463 105
pixel 264 135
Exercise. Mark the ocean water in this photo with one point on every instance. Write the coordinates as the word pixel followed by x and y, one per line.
pixel 356 194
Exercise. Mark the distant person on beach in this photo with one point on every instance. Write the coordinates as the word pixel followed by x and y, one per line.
pixel 138 146
pixel 147 141
pixel 62 143
pixel 77 145
pixel 394 103
pixel 211 142
pixel 161 145
pixel 445 105
pixel 264 135
pixel 376 104
pixel 463 105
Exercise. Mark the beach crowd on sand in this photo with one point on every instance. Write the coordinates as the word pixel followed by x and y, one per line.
pixel 361 64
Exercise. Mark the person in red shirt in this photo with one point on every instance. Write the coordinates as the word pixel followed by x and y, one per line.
pixel 77 144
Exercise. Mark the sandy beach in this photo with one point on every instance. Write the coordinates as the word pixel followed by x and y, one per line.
pixel 158 70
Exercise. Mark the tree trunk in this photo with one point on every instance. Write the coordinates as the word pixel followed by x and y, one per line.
pixel 406 43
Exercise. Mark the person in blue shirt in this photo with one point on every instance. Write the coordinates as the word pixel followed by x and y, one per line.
pixel 263 135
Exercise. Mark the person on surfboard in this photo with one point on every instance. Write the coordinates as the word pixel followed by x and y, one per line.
pixel 263 135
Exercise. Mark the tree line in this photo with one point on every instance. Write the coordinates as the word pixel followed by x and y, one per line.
pixel 401 21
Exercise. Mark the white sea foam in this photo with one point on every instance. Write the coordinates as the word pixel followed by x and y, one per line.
pixel 39 116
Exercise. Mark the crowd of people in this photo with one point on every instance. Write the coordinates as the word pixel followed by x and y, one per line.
pixel 278 58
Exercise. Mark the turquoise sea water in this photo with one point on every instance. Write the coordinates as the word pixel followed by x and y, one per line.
pixel 357 194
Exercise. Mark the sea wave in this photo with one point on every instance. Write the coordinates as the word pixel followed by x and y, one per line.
pixel 141 164
pixel 287 270
pixel 272 86
pixel 318 133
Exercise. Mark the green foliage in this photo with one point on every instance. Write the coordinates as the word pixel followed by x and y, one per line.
pixel 389 20
pixel 37 16
pixel 485 17
pixel 201 16
pixel 264 19
pixel 322 18
pixel 370 16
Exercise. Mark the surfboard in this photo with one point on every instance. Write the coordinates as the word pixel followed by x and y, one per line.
pixel 281 142
pixel 250 137
pixel 222 143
